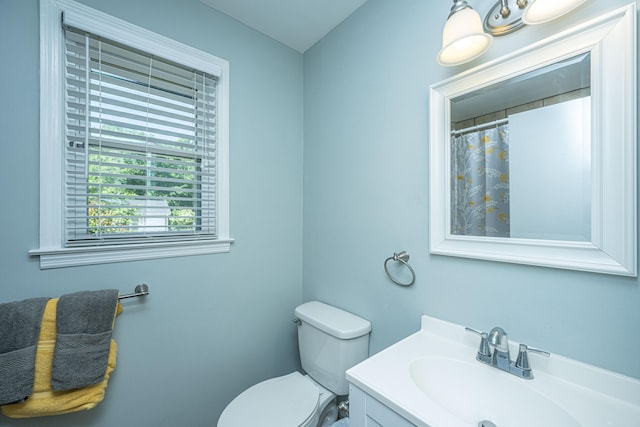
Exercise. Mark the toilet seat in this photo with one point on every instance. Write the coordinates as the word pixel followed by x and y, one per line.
pixel 289 400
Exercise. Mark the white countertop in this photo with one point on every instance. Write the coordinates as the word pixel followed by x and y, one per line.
pixel 594 397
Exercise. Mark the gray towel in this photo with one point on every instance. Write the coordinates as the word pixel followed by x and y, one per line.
pixel 19 330
pixel 84 323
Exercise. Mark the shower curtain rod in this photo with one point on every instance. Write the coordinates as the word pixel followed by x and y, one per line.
pixel 479 127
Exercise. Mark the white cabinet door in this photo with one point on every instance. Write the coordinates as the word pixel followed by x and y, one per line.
pixel 365 411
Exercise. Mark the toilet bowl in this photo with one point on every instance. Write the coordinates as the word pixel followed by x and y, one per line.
pixel 287 401
pixel 330 341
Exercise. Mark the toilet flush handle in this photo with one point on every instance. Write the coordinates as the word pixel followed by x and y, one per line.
pixel 297 321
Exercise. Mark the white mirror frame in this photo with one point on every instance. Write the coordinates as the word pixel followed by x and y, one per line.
pixel 611 39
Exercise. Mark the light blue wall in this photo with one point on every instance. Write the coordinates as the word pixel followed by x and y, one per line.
pixel 213 325
pixel 366 180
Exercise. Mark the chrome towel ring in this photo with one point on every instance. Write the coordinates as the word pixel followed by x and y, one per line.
pixel 402 257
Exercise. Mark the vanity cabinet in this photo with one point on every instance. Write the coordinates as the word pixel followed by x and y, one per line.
pixel 366 411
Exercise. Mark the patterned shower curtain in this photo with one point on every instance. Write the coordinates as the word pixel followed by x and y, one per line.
pixel 480 183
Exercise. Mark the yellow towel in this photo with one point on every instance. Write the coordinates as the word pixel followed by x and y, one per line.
pixel 44 401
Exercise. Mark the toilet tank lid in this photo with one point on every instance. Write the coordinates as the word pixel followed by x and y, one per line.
pixel 332 320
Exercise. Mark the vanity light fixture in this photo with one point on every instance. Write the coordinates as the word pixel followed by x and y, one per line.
pixel 541 11
pixel 464 37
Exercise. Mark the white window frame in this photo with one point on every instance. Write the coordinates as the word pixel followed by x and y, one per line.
pixel 52 250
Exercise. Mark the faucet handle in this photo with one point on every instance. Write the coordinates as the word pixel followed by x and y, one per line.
pixel 522 361
pixel 483 349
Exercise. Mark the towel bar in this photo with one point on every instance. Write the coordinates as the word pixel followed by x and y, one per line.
pixel 140 291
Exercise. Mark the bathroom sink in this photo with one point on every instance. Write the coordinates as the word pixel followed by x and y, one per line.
pixel 432 379
pixel 475 392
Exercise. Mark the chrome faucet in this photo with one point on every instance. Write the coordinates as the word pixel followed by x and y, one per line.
pixel 494 351
pixel 499 344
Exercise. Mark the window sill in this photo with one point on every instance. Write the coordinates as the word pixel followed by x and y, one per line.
pixel 72 257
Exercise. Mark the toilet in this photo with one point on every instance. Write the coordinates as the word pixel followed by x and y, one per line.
pixel 330 341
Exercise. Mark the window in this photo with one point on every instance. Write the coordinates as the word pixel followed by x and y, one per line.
pixel 134 146
pixel 140 145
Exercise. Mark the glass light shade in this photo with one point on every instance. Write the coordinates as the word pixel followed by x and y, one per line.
pixel 541 11
pixel 463 38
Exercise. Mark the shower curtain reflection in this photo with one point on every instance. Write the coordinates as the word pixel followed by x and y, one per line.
pixel 480 182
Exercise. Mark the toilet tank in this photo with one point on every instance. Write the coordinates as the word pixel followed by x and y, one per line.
pixel 331 341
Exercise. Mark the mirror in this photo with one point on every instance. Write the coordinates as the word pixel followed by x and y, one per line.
pixel 514 167
pixel 533 156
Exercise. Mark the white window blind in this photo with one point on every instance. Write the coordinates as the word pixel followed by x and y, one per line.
pixel 140 156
